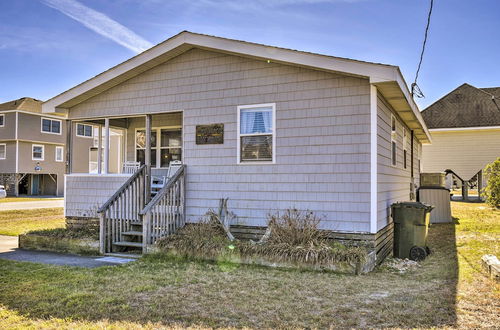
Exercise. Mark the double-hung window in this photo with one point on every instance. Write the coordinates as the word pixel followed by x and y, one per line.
pixel 394 145
pixel 405 148
pixel 3 150
pixel 257 133
pixel 59 154
pixel 84 130
pixel 2 120
pixel 51 126
pixel 37 152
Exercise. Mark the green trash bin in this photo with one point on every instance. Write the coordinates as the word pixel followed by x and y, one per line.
pixel 411 224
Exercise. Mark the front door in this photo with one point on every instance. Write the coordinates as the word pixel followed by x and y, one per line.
pixel 35 184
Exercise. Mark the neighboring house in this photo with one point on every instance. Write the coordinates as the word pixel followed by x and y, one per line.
pixel 465 128
pixel 269 128
pixel 32 149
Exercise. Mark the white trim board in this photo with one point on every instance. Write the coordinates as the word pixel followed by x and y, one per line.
pixel 480 128
pixel 373 159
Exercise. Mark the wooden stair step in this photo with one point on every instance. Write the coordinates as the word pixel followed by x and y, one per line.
pixel 132 233
pixel 131 244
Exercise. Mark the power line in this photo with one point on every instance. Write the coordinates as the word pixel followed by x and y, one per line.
pixel 415 90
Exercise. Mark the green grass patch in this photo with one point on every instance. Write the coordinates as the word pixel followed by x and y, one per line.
pixel 26 199
pixel 17 222
pixel 158 291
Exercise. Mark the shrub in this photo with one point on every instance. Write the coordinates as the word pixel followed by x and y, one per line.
pixel 294 238
pixel 85 233
pixel 492 190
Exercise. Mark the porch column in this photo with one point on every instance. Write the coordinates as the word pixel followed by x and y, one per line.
pixel 465 191
pixel 479 184
pixel 99 151
pixel 106 146
pixel 69 142
pixel 147 159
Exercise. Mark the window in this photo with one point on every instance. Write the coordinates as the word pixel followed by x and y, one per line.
pixel 52 126
pixel 84 130
pixel 2 120
pixel 256 133
pixel 405 146
pixel 394 146
pixel 166 146
pixel 59 154
pixel 37 152
pixel 3 151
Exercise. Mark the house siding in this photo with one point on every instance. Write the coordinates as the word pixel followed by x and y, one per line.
pixel 464 152
pixel 8 131
pixel 30 129
pixel 8 165
pixel 393 181
pixel 322 135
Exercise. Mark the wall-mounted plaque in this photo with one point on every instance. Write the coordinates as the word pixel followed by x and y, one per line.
pixel 210 134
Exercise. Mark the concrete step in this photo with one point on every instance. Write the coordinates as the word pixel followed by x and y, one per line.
pixel 123 255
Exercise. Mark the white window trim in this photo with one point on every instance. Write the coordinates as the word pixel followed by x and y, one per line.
pixel 394 135
pixel 405 148
pixel 51 119
pixel 5 150
pixel 393 119
pixel 239 135
pixel 32 152
pixel 3 121
pixel 62 154
pixel 84 136
pixel 158 148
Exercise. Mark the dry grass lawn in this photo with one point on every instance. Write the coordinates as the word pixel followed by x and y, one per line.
pixel 17 222
pixel 25 199
pixel 449 289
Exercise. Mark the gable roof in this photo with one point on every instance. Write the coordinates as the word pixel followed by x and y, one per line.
pixel 24 104
pixel 387 78
pixel 465 106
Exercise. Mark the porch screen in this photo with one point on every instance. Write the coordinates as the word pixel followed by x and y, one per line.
pixel 256 134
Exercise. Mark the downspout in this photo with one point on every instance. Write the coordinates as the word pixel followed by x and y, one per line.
pixel 412 183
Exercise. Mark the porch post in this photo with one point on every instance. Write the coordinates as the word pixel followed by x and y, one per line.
pixel 147 160
pixel 69 142
pixel 106 146
pixel 99 151
pixel 479 184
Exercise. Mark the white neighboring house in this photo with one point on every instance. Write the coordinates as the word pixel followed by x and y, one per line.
pixel 465 128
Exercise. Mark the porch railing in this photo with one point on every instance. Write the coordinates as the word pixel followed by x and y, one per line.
pixel 121 211
pixel 165 213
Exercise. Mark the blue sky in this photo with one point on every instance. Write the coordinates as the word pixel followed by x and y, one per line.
pixel 48 46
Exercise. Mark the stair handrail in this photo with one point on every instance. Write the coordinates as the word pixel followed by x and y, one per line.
pixel 121 189
pixel 163 191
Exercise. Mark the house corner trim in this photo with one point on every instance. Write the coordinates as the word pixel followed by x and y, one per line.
pixel 373 159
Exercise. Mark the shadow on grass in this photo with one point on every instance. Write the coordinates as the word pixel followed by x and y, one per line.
pixel 172 292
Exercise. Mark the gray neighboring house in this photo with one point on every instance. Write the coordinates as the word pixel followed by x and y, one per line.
pixel 32 149
pixel 332 135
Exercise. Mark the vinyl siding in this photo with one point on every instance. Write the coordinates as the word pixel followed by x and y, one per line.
pixel 30 129
pixel 84 194
pixel 322 127
pixel 464 152
pixel 8 131
pixel 393 181
pixel 8 165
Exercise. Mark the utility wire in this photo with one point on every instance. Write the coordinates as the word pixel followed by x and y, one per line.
pixel 415 90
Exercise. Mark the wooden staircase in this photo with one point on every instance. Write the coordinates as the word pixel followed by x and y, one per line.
pixel 129 227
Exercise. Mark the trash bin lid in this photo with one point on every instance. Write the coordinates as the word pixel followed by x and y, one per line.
pixel 415 205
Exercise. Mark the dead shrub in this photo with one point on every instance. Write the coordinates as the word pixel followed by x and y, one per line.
pixel 294 227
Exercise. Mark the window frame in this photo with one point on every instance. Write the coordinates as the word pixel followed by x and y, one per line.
pixel 158 147
pixel 62 154
pixel 85 136
pixel 394 142
pixel 4 150
pixel 32 152
pixel 51 120
pixel 2 115
pixel 405 148
pixel 239 135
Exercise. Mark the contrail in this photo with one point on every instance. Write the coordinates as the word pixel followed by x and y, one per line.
pixel 100 23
